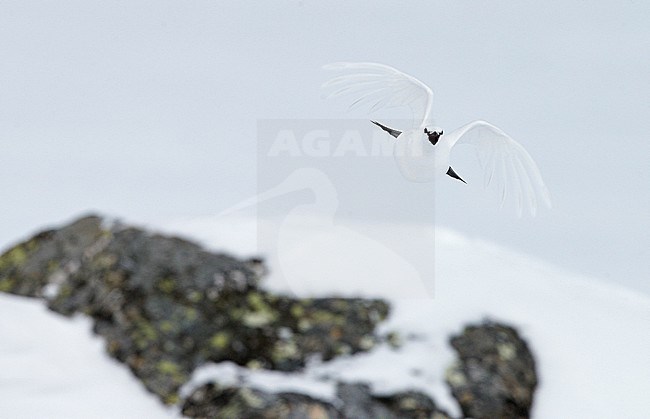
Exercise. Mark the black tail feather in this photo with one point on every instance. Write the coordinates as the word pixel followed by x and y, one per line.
pixel 395 133
pixel 453 174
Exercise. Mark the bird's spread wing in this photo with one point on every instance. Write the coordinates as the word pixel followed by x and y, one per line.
pixel 507 165
pixel 377 86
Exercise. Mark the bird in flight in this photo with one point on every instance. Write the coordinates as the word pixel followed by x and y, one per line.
pixel 422 152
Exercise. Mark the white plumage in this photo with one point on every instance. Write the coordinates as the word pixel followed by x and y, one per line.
pixel 422 152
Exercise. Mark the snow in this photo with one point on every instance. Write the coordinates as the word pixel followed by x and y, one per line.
pixel 590 338
pixel 53 367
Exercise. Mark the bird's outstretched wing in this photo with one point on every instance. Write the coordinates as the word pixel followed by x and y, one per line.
pixel 507 165
pixel 378 86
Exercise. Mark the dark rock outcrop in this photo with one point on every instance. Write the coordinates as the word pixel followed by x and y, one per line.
pixel 165 305
pixel 214 401
pixel 355 401
pixel 495 375
pixel 358 402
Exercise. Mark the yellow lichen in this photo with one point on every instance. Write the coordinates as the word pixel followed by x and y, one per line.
pixel 191 314
pixel 297 310
pixel 322 316
pixel 258 318
pixel 455 376
pixel 408 403
pixel 284 350
pixel 260 313
pixel 256 301
pixel 343 349
pixel 195 296
pixel 254 364
pixel 144 334
pixel 366 343
pixel 506 351
pixel 167 285
pixel 220 340
pixel 304 325
pixel 31 245
pixel 14 257
pixel 171 370
pixel 171 398
pixel 104 261
pixel 167 326
pixel 168 367
pixel 251 399
pixel 7 284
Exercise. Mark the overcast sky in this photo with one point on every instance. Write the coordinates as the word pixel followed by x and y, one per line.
pixel 157 110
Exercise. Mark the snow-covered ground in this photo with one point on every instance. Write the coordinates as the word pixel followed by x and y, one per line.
pixel 52 367
pixel 591 339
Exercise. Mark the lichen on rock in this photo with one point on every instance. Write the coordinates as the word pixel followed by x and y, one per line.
pixel 354 401
pixel 165 305
pixel 495 375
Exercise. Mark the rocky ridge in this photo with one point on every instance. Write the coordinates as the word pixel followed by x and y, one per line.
pixel 165 306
